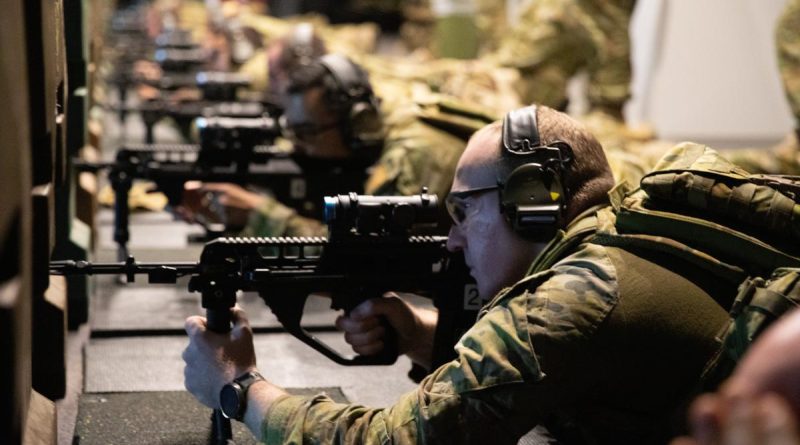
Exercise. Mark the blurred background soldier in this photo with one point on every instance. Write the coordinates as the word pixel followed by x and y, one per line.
pixel 555 39
pixel 332 113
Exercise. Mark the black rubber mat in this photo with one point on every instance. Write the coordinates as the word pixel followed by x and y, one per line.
pixel 163 418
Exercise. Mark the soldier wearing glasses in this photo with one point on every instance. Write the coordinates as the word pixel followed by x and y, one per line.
pixel 599 344
pixel 331 112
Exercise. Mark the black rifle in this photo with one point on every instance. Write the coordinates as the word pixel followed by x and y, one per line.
pixel 231 150
pixel 370 251
pixel 215 86
pixel 173 49
pixel 185 113
pixel 176 39
pixel 219 92
pixel 180 60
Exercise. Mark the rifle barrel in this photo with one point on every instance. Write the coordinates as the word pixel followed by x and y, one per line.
pixel 156 272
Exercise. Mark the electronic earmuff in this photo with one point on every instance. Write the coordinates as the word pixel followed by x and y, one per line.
pixel 533 196
pixel 363 126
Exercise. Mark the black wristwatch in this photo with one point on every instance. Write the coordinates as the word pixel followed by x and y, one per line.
pixel 233 396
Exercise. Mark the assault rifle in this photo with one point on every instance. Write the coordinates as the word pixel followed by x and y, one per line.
pixel 185 113
pixel 219 92
pixel 216 86
pixel 180 60
pixel 370 250
pixel 178 53
pixel 231 150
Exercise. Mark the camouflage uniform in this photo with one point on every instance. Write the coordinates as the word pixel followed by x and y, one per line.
pixel 424 141
pixel 583 345
pixel 781 159
pixel 554 39
pixel 417 30
pixel 630 152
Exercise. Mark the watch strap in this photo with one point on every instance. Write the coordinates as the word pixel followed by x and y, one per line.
pixel 243 382
pixel 247 379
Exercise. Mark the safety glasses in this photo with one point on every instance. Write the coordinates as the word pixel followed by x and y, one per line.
pixel 307 130
pixel 458 204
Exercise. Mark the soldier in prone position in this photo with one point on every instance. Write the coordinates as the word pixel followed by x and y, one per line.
pixel 332 113
pixel 577 337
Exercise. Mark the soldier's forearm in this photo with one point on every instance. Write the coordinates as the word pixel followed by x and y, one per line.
pixel 422 352
pixel 260 397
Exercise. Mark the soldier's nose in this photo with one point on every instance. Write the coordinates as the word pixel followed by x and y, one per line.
pixel 455 242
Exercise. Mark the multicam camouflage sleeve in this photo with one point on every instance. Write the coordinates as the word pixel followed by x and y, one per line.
pixel 498 388
pixel 419 152
pixel 276 219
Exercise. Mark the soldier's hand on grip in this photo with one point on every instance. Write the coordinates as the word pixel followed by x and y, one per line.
pixel 415 327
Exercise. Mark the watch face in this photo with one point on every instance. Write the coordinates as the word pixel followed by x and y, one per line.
pixel 229 401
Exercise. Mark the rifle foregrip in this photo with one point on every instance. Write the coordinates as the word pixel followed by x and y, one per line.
pixel 391 350
pixel 219 320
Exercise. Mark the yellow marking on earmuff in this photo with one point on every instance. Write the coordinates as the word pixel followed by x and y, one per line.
pixel 554 196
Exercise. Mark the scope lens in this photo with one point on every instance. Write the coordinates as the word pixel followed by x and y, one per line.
pixel 331 202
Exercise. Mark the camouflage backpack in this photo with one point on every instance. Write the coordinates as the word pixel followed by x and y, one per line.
pixel 737 227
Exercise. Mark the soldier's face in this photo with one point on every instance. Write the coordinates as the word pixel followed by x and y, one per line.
pixel 497 257
pixel 314 130
pixel 277 74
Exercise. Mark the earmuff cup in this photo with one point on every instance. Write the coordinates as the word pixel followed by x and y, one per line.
pixel 363 127
pixel 533 196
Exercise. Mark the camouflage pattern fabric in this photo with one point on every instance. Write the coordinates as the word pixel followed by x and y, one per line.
pixel 417 30
pixel 698 205
pixel 551 349
pixel 491 22
pixel 422 149
pixel 423 144
pixel 277 219
pixel 630 152
pixel 474 82
pixel 257 70
pixel 346 38
pixel 780 159
pixel 556 38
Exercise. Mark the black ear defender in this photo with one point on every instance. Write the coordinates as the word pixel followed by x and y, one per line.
pixel 533 196
pixel 363 125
